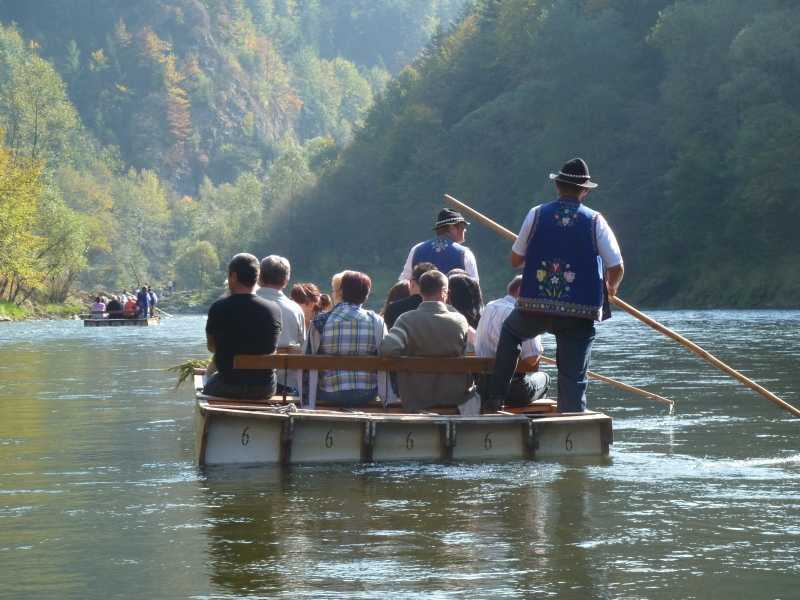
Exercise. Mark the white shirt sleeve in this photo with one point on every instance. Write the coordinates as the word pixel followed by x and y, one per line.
pixel 409 267
pixel 470 264
pixel 607 245
pixel 521 245
pixel 531 348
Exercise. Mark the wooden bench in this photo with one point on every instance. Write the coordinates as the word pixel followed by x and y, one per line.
pixel 289 361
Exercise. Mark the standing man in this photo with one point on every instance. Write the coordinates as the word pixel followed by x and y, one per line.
pixel 569 253
pixel 275 274
pixel 446 251
pixel 524 388
pixel 153 300
pixel 143 301
pixel 242 323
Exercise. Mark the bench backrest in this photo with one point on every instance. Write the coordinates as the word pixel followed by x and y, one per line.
pixel 323 362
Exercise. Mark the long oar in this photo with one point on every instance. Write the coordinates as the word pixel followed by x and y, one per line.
pixel 620 385
pixel 643 318
pixel 163 312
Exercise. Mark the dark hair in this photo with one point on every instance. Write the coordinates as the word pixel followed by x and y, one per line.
pixel 456 271
pixel 305 293
pixel 465 296
pixel 325 302
pixel 275 270
pixel 355 287
pixel 432 283
pixel 568 189
pixel 514 286
pixel 398 291
pixel 246 268
pixel 420 269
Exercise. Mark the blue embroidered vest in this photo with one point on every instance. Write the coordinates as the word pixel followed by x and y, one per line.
pixel 563 273
pixel 442 252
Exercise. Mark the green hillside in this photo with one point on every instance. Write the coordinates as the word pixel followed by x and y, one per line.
pixel 151 140
pixel 688 114
pixel 164 132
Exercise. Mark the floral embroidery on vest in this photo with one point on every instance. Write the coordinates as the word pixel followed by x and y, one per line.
pixel 554 278
pixel 439 245
pixel 565 214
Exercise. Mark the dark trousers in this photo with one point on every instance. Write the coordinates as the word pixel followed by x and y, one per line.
pixel 522 390
pixel 216 386
pixel 574 339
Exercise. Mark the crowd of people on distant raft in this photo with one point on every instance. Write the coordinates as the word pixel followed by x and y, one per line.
pixel 139 304
pixel 571 263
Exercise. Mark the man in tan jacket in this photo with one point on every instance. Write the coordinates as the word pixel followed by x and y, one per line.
pixel 433 329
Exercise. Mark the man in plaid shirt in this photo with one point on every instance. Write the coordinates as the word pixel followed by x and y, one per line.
pixel 348 330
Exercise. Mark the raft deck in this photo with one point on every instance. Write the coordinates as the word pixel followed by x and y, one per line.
pixel 150 321
pixel 281 432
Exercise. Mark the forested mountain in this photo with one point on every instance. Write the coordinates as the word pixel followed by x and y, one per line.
pixel 166 130
pixel 688 114
pixel 152 139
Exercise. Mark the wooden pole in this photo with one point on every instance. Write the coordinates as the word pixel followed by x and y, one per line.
pixel 642 317
pixel 620 385
pixel 707 356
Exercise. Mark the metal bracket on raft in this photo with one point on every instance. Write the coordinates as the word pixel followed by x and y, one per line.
pixel 448 433
pixel 532 441
pixel 287 436
pixel 368 441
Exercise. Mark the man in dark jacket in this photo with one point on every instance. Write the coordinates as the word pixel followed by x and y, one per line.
pixel 398 307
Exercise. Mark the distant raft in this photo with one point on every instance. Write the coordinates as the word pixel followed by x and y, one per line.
pixel 282 432
pixel 100 322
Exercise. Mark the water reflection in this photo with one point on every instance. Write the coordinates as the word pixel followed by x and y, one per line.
pixel 244 548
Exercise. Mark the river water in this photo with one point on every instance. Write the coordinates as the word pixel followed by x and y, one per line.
pixel 99 497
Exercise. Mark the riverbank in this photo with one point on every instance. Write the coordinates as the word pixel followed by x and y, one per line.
pixel 30 311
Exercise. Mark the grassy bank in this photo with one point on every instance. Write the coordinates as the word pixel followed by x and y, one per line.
pixel 11 312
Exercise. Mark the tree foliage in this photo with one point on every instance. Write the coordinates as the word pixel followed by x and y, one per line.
pixel 687 113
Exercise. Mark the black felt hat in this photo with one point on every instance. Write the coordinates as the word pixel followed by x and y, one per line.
pixel 449 217
pixel 575 172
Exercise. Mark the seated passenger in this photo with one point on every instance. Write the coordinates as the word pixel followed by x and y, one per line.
pixel 525 388
pixel 465 296
pixel 114 308
pixel 433 329
pixel 347 330
pixel 395 309
pixel 307 296
pixel 98 309
pixel 130 310
pixel 398 291
pixel 325 303
pixel 275 274
pixel 336 287
pixel 242 323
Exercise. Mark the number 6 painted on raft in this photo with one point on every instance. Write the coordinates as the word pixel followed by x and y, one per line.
pixel 329 439
pixel 568 442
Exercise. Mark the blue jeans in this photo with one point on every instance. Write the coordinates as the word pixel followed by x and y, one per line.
pixel 574 338
pixel 347 398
